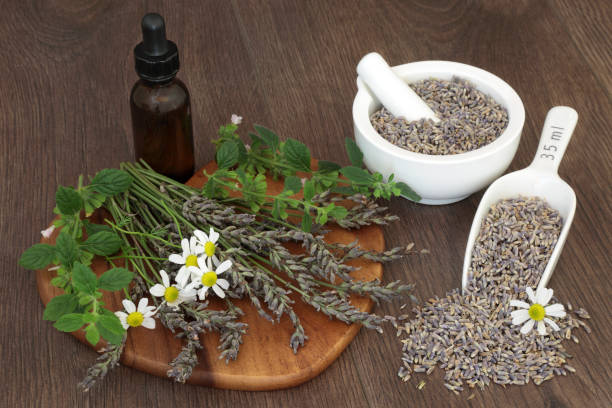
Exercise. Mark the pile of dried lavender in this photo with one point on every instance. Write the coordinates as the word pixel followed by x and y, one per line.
pixel 471 336
pixel 469 119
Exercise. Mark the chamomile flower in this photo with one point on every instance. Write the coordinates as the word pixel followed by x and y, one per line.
pixel 134 317
pixel 209 278
pixel 173 295
pixel 537 311
pixel 209 242
pixel 189 257
pixel 236 120
pixel 46 233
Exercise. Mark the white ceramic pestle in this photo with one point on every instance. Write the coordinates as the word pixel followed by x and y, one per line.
pixel 391 90
pixel 540 179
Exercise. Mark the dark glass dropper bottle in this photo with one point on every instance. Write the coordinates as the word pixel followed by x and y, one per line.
pixel 161 111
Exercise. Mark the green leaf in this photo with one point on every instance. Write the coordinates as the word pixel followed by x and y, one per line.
pixel 66 247
pixel 407 192
pixel 59 306
pixel 69 322
pixel 328 167
pixel 60 281
pixel 337 212
pixel 92 228
pixel 256 141
pixel 111 181
pixel 306 222
pixel 69 201
pixel 297 155
pixel 115 279
pixel 344 190
pixel 227 155
pixel 83 278
pixel 309 190
pixel 354 152
pixel 37 256
pixel 269 137
pixel 91 200
pixel 92 334
pixel 357 175
pixel 293 184
pixel 102 243
pixel 110 328
pixel 278 209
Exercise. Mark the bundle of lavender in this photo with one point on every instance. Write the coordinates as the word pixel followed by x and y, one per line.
pixel 185 245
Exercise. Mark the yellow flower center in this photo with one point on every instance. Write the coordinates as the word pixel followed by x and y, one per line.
pixel 209 279
pixel 209 248
pixel 135 319
pixel 171 294
pixel 191 260
pixel 537 312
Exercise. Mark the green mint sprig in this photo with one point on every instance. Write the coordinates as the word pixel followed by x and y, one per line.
pixel 243 168
pixel 81 305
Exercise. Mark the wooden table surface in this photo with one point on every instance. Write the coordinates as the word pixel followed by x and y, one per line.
pixel 66 70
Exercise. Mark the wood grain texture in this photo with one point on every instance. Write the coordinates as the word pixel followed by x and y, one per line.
pixel 66 72
pixel 265 361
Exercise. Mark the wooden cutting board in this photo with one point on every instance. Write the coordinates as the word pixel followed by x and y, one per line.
pixel 265 360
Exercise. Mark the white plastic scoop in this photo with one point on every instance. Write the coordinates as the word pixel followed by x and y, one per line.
pixel 391 90
pixel 539 179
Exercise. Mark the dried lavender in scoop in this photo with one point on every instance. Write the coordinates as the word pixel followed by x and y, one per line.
pixel 469 119
pixel 472 337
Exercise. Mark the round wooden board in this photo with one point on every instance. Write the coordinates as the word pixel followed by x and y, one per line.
pixel 265 360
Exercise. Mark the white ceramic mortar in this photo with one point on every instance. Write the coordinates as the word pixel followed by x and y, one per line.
pixel 441 179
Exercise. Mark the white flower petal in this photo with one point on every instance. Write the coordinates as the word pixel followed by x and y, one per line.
pixel 213 235
pixel 142 304
pixel 175 303
pixel 223 283
pixel 519 316
pixel 128 305
pixel 552 324
pixel 149 311
pixel 225 265
pixel 149 322
pixel 527 326
pixel 236 120
pixel 543 296
pixel 201 235
pixel 123 319
pixel 158 290
pixel 202 292
pixel 185 245
pixel 541 328
pixel 193 242
pixel 46 233
pixel 218 291
pixel 196 275
pixel 519 303
pixel 165 278
pixel 202 263
pixel 177 259
pixel 532 297
pixel 182 276
pixel 198 250
pixel 556 310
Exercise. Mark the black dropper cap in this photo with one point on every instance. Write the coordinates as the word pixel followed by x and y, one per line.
pixel 156 57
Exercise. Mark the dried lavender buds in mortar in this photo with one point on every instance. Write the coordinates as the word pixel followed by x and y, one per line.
pixel 471 336
pixel 469 119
